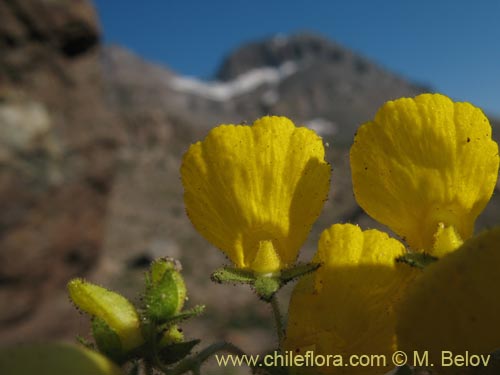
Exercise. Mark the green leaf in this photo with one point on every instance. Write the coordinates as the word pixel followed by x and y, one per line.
pixel 265 287
pixel 54 359
pixel 233 275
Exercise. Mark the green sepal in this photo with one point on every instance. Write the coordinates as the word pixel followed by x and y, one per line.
pixel 417 260
pixel 195 311
pixel 297 271
pixel 233 275
pixel 177 351
pixel 266 286
pixel 165 291
pixel 107 340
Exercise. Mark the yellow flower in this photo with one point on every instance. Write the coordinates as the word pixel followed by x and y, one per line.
pixel 454 305
pixel 254 191
pixel 347 306
pixel 425 167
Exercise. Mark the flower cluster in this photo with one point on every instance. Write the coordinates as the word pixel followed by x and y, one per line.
pixel 148 331
pixel 425 167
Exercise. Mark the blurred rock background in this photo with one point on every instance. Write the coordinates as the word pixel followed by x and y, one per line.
pixel 91 140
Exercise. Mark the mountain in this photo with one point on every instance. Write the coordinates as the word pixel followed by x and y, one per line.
pixel 304 76
pixel 327 83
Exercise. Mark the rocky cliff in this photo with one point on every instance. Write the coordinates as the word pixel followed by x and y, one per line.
pixel 57 155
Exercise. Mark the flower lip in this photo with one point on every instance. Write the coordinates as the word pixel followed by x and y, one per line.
pixel 247 184
pixel 424 161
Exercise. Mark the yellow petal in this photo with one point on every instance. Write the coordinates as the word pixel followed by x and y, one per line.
pixel 113 308
pixel 454 305
pixel 245 186
pixel 422 163
pixel 347 305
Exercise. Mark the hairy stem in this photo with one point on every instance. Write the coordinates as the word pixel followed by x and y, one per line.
pixel 278 319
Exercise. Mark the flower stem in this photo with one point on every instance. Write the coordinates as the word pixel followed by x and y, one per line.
pixel 278 319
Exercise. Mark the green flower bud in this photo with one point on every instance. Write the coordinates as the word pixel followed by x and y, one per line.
pixel 114 309
pixel 165 290
pixel 107 341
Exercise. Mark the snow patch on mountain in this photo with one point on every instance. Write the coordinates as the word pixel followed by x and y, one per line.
pixel 247 82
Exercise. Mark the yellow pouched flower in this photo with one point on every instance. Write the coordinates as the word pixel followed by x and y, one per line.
pixel 454 305
pixel 254 191
pixel 425 167
pixel 346 307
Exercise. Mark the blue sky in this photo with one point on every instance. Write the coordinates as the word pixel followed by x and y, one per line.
pixel 452 45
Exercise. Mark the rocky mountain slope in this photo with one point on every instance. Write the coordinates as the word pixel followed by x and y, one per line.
pixel 57 156
pixel 91 140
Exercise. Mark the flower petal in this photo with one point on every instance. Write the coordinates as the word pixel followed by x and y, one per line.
pixel 454 305
pixel 256 187
pixel 423 163
pixel 347 305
